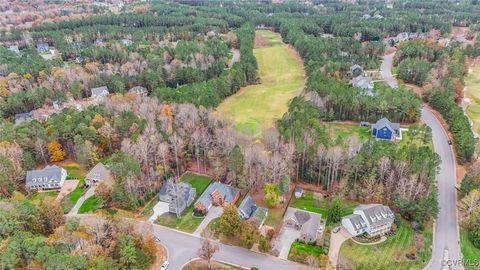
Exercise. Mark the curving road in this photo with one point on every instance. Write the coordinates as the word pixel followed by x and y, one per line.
pixel 446 248
pixel 446 238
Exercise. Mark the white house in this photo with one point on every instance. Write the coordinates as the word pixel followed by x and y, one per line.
pixel 373 219
pixel 99 92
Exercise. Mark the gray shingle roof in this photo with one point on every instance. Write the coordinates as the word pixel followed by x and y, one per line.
pixel 98 173
pixel 228 192
pixel 377 214
pixel 384 122
pixel 247 207
pixel 308 221
pixel 357 221
pixel 50 175
pixel 99 91
pixel 362 82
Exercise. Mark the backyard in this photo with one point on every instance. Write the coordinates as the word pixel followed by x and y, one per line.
pixel 37 197
pixel 281 76
pixel 75 171
pixel 469 251
pixel 390 254
pixel 187 222
pixel 90 205
pixel 472 92
pixel 317 204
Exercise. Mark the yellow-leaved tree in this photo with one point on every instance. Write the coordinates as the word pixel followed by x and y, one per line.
pixel 56 151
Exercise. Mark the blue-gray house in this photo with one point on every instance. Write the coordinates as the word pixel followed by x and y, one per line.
pixel 386 130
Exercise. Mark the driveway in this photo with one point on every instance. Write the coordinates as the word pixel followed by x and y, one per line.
pixel 336 241
pixel 386 70
pixel 68 186
pixel 159 209
pixel 212 214
pixel 90 192
pixel 285 240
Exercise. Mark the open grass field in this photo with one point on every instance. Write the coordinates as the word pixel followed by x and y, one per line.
pixel 472 92
pixel 391 253
pixel 90 205
pixel 187 222
pixel 281 75
pixel 469 251
pixel 310 203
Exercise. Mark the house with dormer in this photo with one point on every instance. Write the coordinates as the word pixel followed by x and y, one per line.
pixel 373 219
pixel 50 177
pixel 249 210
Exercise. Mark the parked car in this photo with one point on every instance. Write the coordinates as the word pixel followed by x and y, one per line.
pixel 336 229
pixel 449 142
pixel 165 265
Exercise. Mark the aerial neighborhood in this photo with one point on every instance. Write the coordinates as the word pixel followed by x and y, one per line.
pixel 187 135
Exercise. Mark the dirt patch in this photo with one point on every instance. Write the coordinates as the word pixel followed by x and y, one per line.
pixel 68 186
pixel 260 41
pixel 460 171
pixel 389 50
pixel 160 257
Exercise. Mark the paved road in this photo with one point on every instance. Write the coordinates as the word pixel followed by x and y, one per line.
pixel 90 192
pixel 386 70
pixel 182 247
pixel 446 226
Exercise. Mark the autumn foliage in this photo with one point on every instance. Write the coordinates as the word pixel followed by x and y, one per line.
pixel 56 151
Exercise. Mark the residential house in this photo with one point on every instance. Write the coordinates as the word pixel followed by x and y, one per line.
pixel 99 92
pixel 248 210
pixel 50 177
pixel 356 70
pixel 402 37
pixel 43 47
pixel 178 196
pixel 366 16
pixel 217 194
pixel 14 49
pixel 99 173
pixel 364 124
pixel 298 192
pixel 373 219
pixel 99 41
pixel 386 130
pixel 378 16
pixel 139 90
pixel 364 83
pixel 309 224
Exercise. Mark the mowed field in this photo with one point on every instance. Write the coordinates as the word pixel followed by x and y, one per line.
pixel 281 76
pixel 472 92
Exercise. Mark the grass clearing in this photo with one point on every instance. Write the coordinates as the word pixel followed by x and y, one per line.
pixel 187 222
pixel 391 253
pixel 37 197
pixel 281 74
pixel 469 251
pixel 341 131
pixel 319 205
pixel 90 205
pixel 472 91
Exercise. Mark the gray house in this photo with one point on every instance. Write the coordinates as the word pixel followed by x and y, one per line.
pixel 179 196
pixel 20 117
pixel 127 42
pixel 248 210
pixel 43 47
pixel 97 174
pixel 139 90
pixel 50 177
pixel 99 92
pixel 373 219
pixel 308 223
pixel 217 194
pixel 356 70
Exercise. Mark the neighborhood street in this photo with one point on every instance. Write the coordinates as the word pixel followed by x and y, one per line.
pixel 386 70
pixel 446 239
pixel 446 226
pixel 182 247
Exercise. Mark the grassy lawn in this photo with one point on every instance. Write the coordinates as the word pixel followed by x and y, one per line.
pixel 69 201
pixel 90 205
pixel 74 170
pixel 299 251
pixel 202 265
pixel 147 211
pixel 391 253
pixel 341 131
pixel 469 251
pixel 310 203
pixel 281 75
pixel 37 197
pixel 472 91
pixel 187 222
